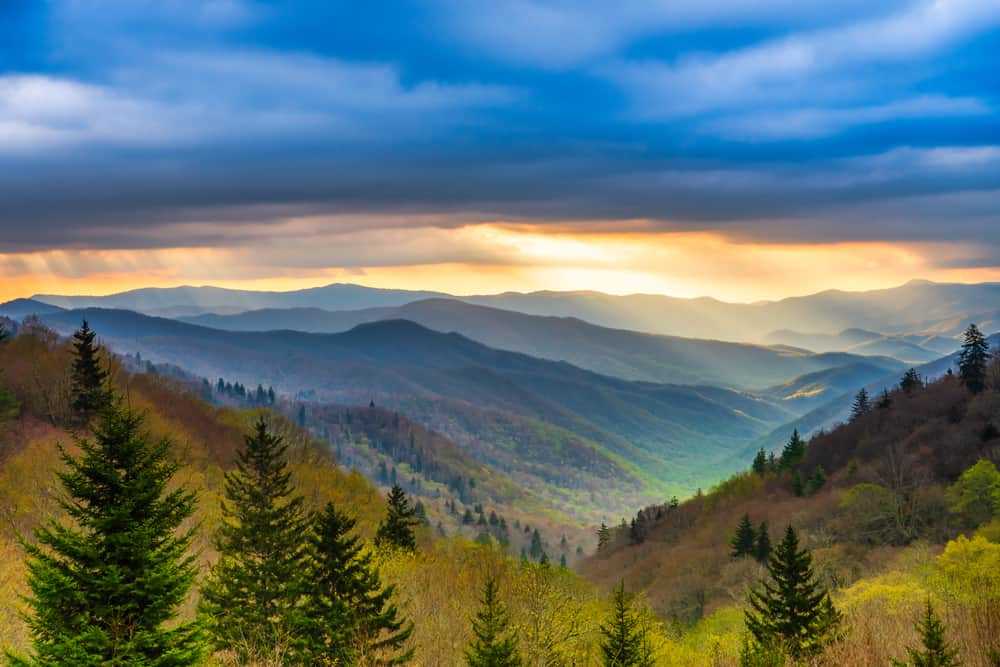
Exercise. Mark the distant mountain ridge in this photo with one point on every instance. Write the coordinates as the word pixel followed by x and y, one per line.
pixel 915 306
pixel 617 352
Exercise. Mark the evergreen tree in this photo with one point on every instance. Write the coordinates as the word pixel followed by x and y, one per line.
pixel 791 612
pixel 397 529
pixel 603 537
pixel 884 400
pixel 3 333
pixel 348 613
pixel 911 381
pixel 862 404
pixel 493 645
pixel 794 451
pixel 759 465
pixel 936 651
pixel 623 640
pixel 798 486
pixel 104 588
pixel 972 360
pixel 536 551
pixel 744 540
pixel 817 480
pixel 762 544
pixel 90 392
pixel 249 600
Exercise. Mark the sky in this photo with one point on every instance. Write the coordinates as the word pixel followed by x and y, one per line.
pixel 742 149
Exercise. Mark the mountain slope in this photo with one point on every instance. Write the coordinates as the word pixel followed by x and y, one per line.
pixel 668 432
pixel 626 354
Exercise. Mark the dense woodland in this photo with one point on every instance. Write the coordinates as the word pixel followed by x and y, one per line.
pixel 151 520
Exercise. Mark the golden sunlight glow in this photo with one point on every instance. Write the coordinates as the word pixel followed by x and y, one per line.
pixel 489 258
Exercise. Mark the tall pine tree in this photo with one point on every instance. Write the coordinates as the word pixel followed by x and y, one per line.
pixel 862 404
pixel 762 544
pixel 105 587
pixel 744 539
pixel 249 600
pixel 493 644
pixel 936 652
pixel 759 465
pixel 910 382
pixel 348 616
pixel 396 531
pixel 90 391
pixel 972 359
pixel 794 451
pixel 791 612
pixel 623 639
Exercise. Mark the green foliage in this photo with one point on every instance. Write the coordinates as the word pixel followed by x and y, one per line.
pixel 90 392
pixel 250 598
pixel 397 529
pixel 817 480
pixel 762 544
pixel 936 652
pixel 623 638
pixel 972 359
pixel 104 588
pixel 975 497
pixel 347 612
pixel 798 486
pixel 862 404
pixel 794 451
pixel 603 537
pixel 759 465
pixel 744 540
pixel 492 644
pixel 791 612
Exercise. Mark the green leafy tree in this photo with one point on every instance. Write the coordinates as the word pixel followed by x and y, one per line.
pixel 759 465
pixel 975 497
pixel 397 529
pixel 862 404
pixel 105 587
pixel 973 359
pixel 935 652
pixel 762 543
pixel 347 615
pixel 249 601
pixel 90 392
pixel 791 612
pixel 623 639
pixel 794 451
pixel 493 644
pixel 911 381
pixel 744 539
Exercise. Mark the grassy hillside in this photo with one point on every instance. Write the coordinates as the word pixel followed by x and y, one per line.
pixel 884 531
pixel 617 352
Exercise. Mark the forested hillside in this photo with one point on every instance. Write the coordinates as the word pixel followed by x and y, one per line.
pixel 897 506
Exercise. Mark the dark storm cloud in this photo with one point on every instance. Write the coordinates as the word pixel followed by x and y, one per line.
pixel 779 121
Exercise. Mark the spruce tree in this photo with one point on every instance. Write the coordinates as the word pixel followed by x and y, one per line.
pixel 817 480
pixel 862 404
pixel 744 539
pixel 397 529
pixel 798 486
pixel 794 451
pixel 936 651
pixel 759 465
pixel 603 537
pixel 884 400
pixel 347 614
pixel 249 600
pixel 623 640
pixel 762 544
pixel 972 360
pixel 105 587
pixel 537 551
pixel 492 645
pixel 911 381
pixel 791 612
pixel 90 392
